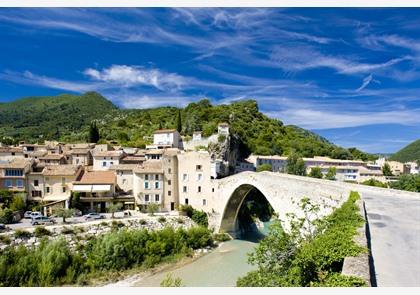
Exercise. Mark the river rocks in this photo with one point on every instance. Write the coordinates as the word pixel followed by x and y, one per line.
pixel 81 233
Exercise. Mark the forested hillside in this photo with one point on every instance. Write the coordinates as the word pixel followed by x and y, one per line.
pixel 67 117
pixel 409 153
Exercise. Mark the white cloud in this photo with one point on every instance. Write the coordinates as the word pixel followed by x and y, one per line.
pixel 128 76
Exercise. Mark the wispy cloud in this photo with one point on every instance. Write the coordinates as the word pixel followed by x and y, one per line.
pixel 366 81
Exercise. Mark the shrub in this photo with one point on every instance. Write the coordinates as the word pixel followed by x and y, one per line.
pixel 162 219
pixel 221 237
pixel 22 234
pixel 199 217
pixel 41 231
pixel 264 167
pixel 6 216
pixel 5 239
pixel 142 222
pixel 180 220
pixel 67 231
pixel 169 281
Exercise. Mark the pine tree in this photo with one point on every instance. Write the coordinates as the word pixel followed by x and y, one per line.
pixel 178 122
pixel 93 133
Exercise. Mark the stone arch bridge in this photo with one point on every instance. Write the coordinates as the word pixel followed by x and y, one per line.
pixel 283 192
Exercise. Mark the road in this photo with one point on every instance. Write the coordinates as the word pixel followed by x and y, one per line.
pixel 394 224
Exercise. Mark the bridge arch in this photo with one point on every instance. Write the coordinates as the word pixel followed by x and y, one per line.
pixel 230 214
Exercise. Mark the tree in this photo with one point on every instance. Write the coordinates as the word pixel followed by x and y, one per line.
pixel 17 203
pixel 315 172
pixel 386 170
pixel 264 167
pixel 178 122
pixel 295 165
pixel 115 207
pixel 93 133
pixel 152 208
pixel 331 173
pixel 65 213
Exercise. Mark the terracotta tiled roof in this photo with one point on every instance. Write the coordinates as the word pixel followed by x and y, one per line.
pixel 81 151
pixel 52 157
pixel 123 167
pixel 150 166
pixel 17 163
pixel 155 152
pixel 54 170
pixel 108 154
pixel 10 149
pixel 164 131
pixel 97 177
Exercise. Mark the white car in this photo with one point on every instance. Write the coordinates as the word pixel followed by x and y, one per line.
pixel 27 214
pixel 36 214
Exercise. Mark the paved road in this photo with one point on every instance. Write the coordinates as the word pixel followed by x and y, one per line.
pixel 394 224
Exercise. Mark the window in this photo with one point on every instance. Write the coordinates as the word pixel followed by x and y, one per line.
pixel 36 182
pixel 64 189
pixel 157 184
pixel 186 201
pixel 103 164
pixel 169 182
pixel 198 167
pixel 77 161
pixel 13 154
pixel 146 185
pixel 157 177
pixel 111 163
pixel 146 198
pixel 212 189
pixel 8 183
pixel 204 202
pixel 184 189
pixel 169 170
pixel 184 177
pixel 14 172
pixel 199 176
pixel 146 176
pixel 157 197
pixel 169 193
pixel 48 189
pixel 199 189
pixel 19 183
pixel 36 193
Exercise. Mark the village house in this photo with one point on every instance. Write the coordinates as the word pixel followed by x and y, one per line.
pixel 81 156
pixel 9 153
pixel 52 159
pixel 13 174
pixel 166 138
pixel 103 160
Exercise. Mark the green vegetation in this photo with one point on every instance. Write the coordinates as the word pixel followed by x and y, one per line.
pixel 409 153
pixel 331 173
pixel 312 258
pixel 407 182
pixel 295 165
pixel 386 170
pixel 93 135
pixel 162 219
pixel 64 213
pixel 65 117
pixel 152 208
pixel 115 207
pixel 68 117
pixel 41 231
pixel 264 167
pixel 374 182
pixel 55 263
pixel 316 172
pixel 221 237
pixel 199 217
pixel 22 234
pixel 6 216
pixel 169 281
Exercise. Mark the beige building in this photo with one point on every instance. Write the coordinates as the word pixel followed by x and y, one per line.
pixel 58 182
pixel 124 174
pixel 398 168
pixel 104 160
pixel 81 156
pixel 9 153
pixel 194 179
pixel 166 138
pixel 53 159
pixel 13 174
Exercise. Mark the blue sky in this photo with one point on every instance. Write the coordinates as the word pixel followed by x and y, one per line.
pixel 351 75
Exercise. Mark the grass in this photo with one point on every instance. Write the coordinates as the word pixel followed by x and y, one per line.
pixel 22 234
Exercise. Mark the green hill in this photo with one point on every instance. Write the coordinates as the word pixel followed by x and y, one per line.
pixel 409 153
pixel 67 117
pixel 47 117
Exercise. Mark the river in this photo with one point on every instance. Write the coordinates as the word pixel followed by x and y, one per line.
pixel 220 268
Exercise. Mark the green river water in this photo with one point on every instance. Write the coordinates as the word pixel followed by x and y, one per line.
pixel 220 268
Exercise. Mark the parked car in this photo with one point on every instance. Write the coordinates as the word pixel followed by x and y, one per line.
pixel 42 220
pixel 35 214
pixel 77 212
pixel 93 216
pixel 27 214
pixel 2 226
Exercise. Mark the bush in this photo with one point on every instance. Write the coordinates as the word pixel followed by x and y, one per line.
pixel 180 220
pixel 199 217
pixel 142 222
pixel 22 234
pixel 41 231
pixel 221 237
pixel 374 182
pixel 162 219
pixel 6 216
pixel 5 239
pixel 17 203
pixel 67 231
pixel 264 167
